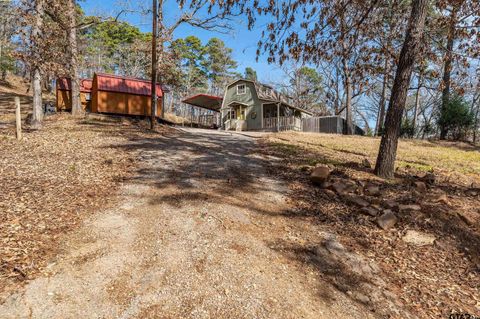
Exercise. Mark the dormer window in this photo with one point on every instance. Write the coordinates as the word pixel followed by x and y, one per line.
pixel 241 89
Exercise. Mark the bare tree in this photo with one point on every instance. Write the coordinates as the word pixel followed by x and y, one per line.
pixel 36 36
pixel 73 46
pixel 388 146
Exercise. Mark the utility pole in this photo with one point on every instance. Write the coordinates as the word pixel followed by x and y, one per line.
pixel 154 65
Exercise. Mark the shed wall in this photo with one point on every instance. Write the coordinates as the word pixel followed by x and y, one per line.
pixel 64 100
pixel 123 103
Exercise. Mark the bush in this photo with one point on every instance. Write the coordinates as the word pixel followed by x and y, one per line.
pixel 407 129
pixel 455 119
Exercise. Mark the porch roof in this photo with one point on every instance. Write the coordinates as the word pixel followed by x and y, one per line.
pixel 205 101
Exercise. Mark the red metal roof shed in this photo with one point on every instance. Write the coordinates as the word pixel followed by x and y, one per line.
pixel 65 84
pixel 128 85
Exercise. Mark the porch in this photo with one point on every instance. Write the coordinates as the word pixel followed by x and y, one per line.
pixel 282 123
pixel 269 117
pixel 280 117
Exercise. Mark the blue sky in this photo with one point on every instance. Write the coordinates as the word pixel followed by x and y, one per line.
pixel 241 40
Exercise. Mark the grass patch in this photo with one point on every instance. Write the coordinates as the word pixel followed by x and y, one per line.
pixel 287 149
pixel 441 157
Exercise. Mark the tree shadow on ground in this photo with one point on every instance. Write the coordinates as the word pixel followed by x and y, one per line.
pixel 227 169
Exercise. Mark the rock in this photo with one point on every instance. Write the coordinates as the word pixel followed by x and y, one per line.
pixel 442 199
pixel 428 178
pixel 441 244
pixel 320 175
pixel 469 217
pixel 356 200
pixel 326 184
pixel 339 187
pixel 471 192
pixel 418 238
pixel 332 253
pixel 387 220
pixel 372 190
pixel 329 193
pixel 420 187
pixel 305 168
pixel 369 211
pixel 390 204
pixel 361 183
pixel 366 163
pixel 361 297
pixel 405 208
pixel 375 201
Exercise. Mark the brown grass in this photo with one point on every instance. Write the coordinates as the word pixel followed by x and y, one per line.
pixel 454 160
pixel 52 180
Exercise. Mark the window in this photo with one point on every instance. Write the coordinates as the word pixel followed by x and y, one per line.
pixel 241 89
pixel 231 115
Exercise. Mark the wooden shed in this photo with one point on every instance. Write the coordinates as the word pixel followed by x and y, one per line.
pixel 123 95
pixel 64 94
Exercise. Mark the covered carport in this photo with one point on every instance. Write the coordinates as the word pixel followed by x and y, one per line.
pixel 208 114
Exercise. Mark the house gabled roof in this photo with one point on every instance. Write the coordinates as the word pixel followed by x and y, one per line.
pixel 65 84
pixel 129 85
pixel 267 93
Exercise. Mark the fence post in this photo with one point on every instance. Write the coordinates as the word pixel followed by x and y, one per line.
pixel 278 117
pixel 18 118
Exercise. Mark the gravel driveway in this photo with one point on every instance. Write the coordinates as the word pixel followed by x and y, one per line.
pixel 194 237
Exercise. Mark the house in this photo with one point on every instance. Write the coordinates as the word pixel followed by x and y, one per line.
pixel 115 94
pixel 252 106
pixel 64 94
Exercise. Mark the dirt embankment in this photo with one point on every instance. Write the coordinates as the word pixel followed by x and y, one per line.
pixel 16 86
pixel 430 254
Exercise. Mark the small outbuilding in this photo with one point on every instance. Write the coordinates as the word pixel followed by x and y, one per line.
pixel 124 95
pixel 64 94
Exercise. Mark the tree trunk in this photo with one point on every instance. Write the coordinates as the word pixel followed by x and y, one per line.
pixel 37 114
pixel 475 126
pixel 161 49
pixel 347 77
pixel 417 102
pixel 348 96
pixel 348 103
pixel 155 19
pixel 73 45
pixel 388 147
pixel 477 113
pixel 337 91
pixel 383 98
pixel 447 68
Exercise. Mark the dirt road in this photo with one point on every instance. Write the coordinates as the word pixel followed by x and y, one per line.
pixel 195 236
